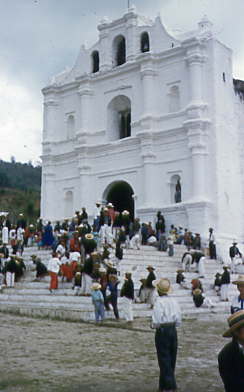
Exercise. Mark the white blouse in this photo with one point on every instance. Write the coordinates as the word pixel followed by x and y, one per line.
pixel 166 310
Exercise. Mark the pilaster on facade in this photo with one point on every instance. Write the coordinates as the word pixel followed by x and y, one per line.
pixel 148 75
pixel 105 54
pixel 86 94
pixel 195 59
pixel 51 106
pixel 197 132
pixel 131 27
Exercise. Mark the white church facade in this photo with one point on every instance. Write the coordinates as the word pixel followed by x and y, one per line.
pixel 148 121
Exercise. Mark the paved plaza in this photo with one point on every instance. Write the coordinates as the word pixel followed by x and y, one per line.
pixel 42 355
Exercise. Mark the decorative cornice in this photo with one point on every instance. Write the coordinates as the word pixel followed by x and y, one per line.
pixel 122 87
pixel 196 58
pixel 148 72
pixel 51 102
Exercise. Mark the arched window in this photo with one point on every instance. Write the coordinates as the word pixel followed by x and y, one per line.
pixel 145 42
pixel 174 99
pixel 175 189
pixel 119 118
pixel 95 61
pixel 68 204
pixel 70 126
pixel 119 51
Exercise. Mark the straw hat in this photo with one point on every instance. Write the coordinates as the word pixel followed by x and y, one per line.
pixel 162 285
pixel 109 263
pixel 102 270
pixel 197 292
pixel 180 271
pixel 235 321
pixel 125 212
pixel 96 286
pixel 226 266
pixel 240 280
pixel 89 236
pixel 150 267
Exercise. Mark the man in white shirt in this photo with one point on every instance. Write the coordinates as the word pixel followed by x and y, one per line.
pixel 165 318
pixel 212 245
pixel 97 212
pixel 5 237
pixel 53 269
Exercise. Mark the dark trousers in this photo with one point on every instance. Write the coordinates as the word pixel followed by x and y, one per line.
pixel 114 302
pixel 166 345
pixel 212 250
pixel 105 299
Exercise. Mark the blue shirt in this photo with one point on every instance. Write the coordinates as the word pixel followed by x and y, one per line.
pixel 237 304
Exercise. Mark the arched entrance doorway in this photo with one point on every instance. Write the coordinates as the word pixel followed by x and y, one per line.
pixel 120 194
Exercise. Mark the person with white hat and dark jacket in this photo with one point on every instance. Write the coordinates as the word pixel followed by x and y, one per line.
pixel 238 301
pixel 231 357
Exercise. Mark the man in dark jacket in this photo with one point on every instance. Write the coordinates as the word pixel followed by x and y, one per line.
pixel 231 358
pixel 234 252
pixel 127 292
pixel 149 286
pixel 11 269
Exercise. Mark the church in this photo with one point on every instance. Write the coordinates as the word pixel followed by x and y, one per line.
pixel 148 121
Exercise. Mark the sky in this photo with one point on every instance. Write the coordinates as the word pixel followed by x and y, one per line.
pixel 39 38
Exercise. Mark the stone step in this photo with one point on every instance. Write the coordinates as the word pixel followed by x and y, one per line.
pixel 33 298
pixel 86 314
pixel 61 300
pixel 82 303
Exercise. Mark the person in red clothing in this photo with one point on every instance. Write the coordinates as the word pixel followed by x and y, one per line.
pixel 53 269
pixel 75 243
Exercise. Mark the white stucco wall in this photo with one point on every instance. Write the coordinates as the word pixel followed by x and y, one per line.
pixel 199 142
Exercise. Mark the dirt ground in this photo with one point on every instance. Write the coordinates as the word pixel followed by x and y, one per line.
pixel 40 355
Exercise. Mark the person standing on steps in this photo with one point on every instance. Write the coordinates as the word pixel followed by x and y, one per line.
pixel 170 243
pixel 53 269
pixel 212 245
pixel 127 293
pixel 165 318
pixel 225 284
pixel 150 289
pixel 234 253
pixel 113 297
pixel 238 301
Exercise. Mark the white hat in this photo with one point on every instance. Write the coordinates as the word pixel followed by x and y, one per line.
pixel 102 269
pixel 162 285
pixel 125 212
pixel 96 286
pixel 109 263
pixel 74 256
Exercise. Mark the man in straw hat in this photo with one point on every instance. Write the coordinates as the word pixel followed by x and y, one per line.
pixel 238 301
pixel 234 254
pixel 98 301
pixel 166 317
pixel 150 289
pixel 225 284
pixel 231 358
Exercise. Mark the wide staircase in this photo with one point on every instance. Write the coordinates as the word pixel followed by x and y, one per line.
pixel 34 299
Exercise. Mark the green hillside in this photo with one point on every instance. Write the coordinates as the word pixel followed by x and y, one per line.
pixel 20 186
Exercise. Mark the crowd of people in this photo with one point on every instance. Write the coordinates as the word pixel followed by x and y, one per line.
pixel 89 258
